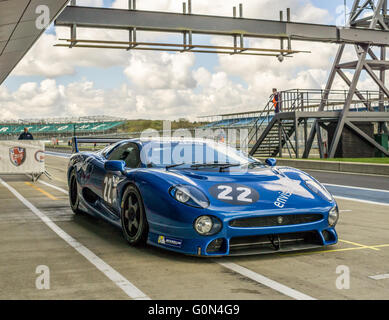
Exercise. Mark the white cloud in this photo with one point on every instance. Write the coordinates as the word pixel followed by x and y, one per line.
pixel 160 71
pixel 46 60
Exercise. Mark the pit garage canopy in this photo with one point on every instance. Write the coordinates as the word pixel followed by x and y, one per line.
pixel 18 31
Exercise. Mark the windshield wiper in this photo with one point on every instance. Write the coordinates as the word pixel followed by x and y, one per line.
pixel 179 164
pixel 215 164
pixel 205 165
pixel 229 166
pixel 174 165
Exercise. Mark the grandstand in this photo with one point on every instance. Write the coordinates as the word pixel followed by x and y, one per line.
pixel 232 120
pixel 61 127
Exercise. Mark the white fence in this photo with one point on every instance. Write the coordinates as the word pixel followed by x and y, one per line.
pixel 22 157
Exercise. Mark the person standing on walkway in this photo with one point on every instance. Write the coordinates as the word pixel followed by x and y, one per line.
pixel 276 100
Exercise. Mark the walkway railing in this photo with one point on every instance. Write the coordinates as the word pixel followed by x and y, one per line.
pixel 310 100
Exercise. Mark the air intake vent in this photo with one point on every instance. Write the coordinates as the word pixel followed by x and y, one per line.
pixel 273 221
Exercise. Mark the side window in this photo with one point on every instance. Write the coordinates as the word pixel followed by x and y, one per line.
pixel 127 152
pixel 107 149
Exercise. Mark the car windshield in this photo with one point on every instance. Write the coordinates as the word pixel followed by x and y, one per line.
pixel 195 153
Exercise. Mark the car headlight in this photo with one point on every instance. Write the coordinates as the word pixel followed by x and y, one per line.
pixel 190 196
pixel 182 196
pixel 318 189
pixel 333 216
pixel 207 225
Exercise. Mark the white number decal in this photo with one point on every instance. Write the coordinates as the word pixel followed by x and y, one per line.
pixel 224 195
pixel 107 192
pixel 237 194
pixel 245 193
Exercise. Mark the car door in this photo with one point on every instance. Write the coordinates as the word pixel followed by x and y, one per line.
pixel 130 154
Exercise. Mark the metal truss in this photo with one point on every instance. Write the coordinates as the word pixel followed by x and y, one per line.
pixel 375 17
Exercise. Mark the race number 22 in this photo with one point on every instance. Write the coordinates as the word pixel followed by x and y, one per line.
pixel 234 193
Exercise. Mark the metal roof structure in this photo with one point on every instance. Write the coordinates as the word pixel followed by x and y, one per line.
pixel 18 30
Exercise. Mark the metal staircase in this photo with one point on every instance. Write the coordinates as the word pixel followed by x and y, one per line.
pixel 277 135
pixel 271 132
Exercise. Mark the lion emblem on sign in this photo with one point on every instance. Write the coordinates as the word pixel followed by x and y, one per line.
pixel 17 155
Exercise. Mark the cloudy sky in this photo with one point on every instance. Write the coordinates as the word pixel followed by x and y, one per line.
pixel 52 81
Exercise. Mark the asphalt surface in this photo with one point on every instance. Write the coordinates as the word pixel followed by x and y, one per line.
pixel 351 179
pixel 89 259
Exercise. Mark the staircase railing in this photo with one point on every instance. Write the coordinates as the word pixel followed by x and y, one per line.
pixel 293 104
pixel 266 114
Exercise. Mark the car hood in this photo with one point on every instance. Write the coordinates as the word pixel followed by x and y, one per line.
pixel 266 188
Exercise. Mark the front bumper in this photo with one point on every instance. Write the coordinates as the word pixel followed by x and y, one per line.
pixel 249 232
pixel 251 241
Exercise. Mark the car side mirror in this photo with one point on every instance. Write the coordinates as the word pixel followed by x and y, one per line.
pixel 271 162
pixel 115 165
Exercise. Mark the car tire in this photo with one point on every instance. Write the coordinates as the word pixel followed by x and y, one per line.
pixel 133 217
pixel 74 199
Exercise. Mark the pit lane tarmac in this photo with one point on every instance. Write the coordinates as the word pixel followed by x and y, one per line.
pixel 89 259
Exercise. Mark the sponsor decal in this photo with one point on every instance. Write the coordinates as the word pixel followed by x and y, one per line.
pixel 40 156
pixel 177 243
pixel 17 156
pixel 282 199
pixel 235 194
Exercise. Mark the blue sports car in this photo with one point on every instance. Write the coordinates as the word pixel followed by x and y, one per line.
pixel 199 197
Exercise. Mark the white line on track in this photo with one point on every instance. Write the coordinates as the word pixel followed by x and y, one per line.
pixel 353 187
pixel 266 281
pixel 380 276
pixel 363 201
pixel 132 291
pixel 54 187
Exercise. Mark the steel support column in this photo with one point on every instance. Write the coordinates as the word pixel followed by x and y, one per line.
pixel 346 108
pixel 324 100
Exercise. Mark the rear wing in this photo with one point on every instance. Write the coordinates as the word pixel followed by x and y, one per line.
pixel 77 140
